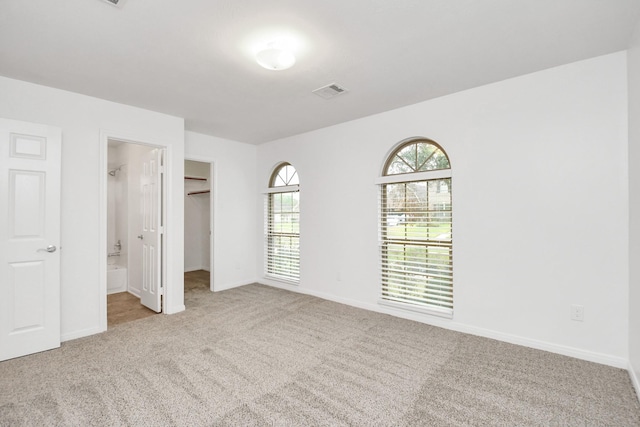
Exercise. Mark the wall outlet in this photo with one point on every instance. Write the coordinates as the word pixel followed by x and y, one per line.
pixel 577 312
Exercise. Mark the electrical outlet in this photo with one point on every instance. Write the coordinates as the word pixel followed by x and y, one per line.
pixel 577 312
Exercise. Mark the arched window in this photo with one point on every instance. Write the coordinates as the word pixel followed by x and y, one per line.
pixel 416 228
pixel 282 225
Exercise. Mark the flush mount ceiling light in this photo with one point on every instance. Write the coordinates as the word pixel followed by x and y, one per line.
pixel 274 57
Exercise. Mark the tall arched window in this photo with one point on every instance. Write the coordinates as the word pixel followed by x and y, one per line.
pixel 416 228
pixel 282 225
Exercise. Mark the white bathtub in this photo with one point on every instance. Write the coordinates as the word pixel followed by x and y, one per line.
pixel 116 278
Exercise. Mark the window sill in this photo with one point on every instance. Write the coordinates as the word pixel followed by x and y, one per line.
pixel 432 311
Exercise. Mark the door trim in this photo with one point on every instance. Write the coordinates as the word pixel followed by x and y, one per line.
pixel 105 136
pixel 212 214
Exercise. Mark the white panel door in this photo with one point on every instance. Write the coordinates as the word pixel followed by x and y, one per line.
pixel 151 292
pixel 29 238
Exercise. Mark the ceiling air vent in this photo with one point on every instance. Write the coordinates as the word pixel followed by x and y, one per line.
pixel 329 91
pixel 115 2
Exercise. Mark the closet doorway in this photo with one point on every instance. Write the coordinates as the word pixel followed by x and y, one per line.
pixel 198 225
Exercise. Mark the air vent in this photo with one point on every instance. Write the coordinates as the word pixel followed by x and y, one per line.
pixel 329 91
pixel 115 2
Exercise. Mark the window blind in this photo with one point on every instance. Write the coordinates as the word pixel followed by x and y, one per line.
pixel 282 235
pixel 416 244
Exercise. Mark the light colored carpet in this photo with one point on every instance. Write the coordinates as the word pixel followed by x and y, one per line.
pixel 256 355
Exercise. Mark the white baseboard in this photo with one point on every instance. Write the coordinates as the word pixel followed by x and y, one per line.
pixel 80 334
pixel 175 309
pixel 225 286
pixel 634 379
pixel 116 291
pixel 604 359
pixel 189 269
pixel 590 356
pixel 281 284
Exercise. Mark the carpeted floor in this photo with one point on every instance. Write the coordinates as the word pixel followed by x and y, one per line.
pixel 256 355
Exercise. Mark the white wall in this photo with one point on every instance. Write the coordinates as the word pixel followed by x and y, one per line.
pixel 196 169
pixel 234 206
pixel 633 74
pixel 539 198
pixel 82 119
pixel 197 216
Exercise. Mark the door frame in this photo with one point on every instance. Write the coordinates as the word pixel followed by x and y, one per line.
pixel 213 183
pixel 167 199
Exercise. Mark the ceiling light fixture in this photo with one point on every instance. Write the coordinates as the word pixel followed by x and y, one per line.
pixel 274 57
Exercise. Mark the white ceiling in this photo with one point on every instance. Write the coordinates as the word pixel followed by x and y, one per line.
pixel 192 59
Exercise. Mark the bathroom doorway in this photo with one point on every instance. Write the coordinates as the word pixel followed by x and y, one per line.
pixel 135 195
pixel 198 225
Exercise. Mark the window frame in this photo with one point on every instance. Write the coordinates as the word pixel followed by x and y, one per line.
pixel 383 228
pixel 294 276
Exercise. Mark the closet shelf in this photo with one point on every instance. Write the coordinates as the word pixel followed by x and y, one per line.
pixel 195 178
pixel 191 193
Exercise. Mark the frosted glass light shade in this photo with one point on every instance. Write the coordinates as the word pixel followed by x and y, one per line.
pixel 275 59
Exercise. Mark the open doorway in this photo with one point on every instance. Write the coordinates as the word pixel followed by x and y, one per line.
pixel 135 195
pixel 198 226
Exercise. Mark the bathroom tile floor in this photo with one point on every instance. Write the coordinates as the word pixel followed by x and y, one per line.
pixel 124 307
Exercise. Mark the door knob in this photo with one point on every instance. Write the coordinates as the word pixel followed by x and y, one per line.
pixel 141 237
pixel 49 249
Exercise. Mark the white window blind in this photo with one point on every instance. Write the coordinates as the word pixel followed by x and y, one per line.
pixel 416 244
pixel 282 225
pixel 282 242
